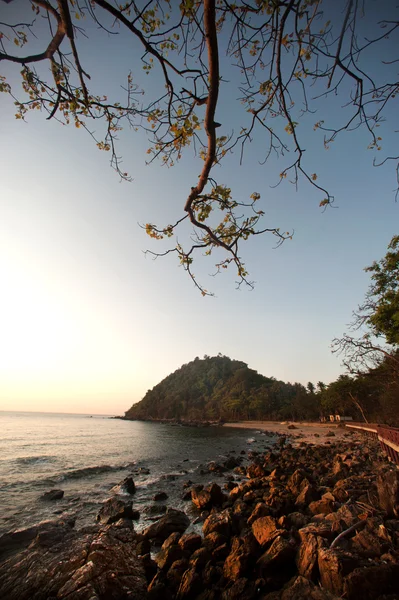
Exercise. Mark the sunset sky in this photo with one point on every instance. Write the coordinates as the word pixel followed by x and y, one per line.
pixel 88 323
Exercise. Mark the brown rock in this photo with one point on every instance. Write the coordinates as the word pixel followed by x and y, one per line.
pixel 115 509
pixel 281 552
pixel 323 506
pixel 334 565
pixel 219 522
pixel 213 540
pixel 307 495
pixel 255 470
pixel 265 530
pixel 190 585
pixel 297 482
pixel 189 542
pixel 388 492
pixel 260 510
pixel 210 496
pixel 301 589
pixel 243 551
pixel 242 589
pixel 307 557
pixel 167 556
pixel 373 582
pixel 174 520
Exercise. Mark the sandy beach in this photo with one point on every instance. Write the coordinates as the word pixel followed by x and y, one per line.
pixel 311 433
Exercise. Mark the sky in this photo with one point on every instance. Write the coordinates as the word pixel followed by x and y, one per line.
pixel 89 323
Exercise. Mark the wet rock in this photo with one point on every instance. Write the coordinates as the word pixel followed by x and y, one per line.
pixel 265 530
pixel 155 509
pixel 220 522
pixel 388 492
pixel 115 509
pixel 160 496
pixel 174 520
pixel 52 495
pixel 210 496
pixel 231 463
pixel 19 539
pixel 214 467
pixel 127 486
pixel 80 566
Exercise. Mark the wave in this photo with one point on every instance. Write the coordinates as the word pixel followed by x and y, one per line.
pixel 89 471
pixel 34 460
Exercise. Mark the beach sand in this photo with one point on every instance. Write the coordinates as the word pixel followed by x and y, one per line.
pixel 313 433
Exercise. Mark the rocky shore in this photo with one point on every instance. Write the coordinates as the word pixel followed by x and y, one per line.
pixel 315 522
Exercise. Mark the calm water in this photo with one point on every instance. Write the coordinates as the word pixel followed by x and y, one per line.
pixel 85 456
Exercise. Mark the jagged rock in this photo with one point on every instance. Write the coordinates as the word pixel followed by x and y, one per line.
pixel 261 510
pixel 388 492
pixel 265 530
pixel 214 540
pixel 243 552
pixel 307 495
pixel 19 539
pixel 168 555
pixel 324 506
pixel 189 542
pixel 297 520
pixel 175 573
pixel 255 470
pixel 80 566
pixel 199 558
pixel 281 553
pixel 127 486
pixel 190 585
pixel 174 520
pixel 300 588
pixel 218 523
pixel 297 482
pixel 115 509
pixel 372 582
pixel 334 565
pixel 158 590
pixel 307 556
pixel 242 589
pixel 210 496
pixel 149 566
pixel 52 495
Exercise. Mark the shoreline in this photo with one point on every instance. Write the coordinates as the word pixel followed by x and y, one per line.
pixel 310 433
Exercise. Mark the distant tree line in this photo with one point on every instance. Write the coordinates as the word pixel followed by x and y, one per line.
pixel 219 388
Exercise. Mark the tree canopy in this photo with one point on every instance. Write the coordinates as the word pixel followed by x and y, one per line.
pixel 286 57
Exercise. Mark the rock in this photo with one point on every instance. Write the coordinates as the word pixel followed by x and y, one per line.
pixel 307 495
pixel 334 565
pixel 126 486
pixel 173 521
pixel 160 496
pixel 307 556
pixel 210 496
pixel 297 482
pixel 265 530
pixel 242 554
pixel 199 558
pixel 297 520
pixel 292 426
pixel 115 509
pixel 388 492
pixel 19 539
pixel 190 585
pixel 52 495
pixel 372 582
pixel 168 555
pixel 330 434
pixel 149 566
pixel 231 463
pixel 97 565
pixel 255 470
pixel 261 510
pixel 281 553
pixel 300 589
pixel 219 522
pixel 155 509
pixel 242 589
pixel 323 506
pixel 189 542
pixel 214 467
pixel 214 540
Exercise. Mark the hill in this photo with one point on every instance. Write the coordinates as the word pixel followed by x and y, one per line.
pixel 218 387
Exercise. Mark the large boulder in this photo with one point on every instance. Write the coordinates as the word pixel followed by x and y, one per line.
pixel 52 495
pixel 242 555
pixel 281 553
pixel 265 530
pixel 208 497
pixel 218 522
pixel 100 564
pixel 126 486
pixel 115 509
pixel 173 521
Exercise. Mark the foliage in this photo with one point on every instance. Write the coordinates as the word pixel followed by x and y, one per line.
pixel 376 321
pixel 216 388
pixel 288 54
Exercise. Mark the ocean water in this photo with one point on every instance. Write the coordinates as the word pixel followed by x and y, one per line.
pixel 86 455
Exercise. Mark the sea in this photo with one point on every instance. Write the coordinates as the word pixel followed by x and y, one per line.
pixel 86 455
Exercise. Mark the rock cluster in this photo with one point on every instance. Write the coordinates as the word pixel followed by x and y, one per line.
pixel 313 522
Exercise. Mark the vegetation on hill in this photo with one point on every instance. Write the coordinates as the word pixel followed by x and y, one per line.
pixel 217 387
